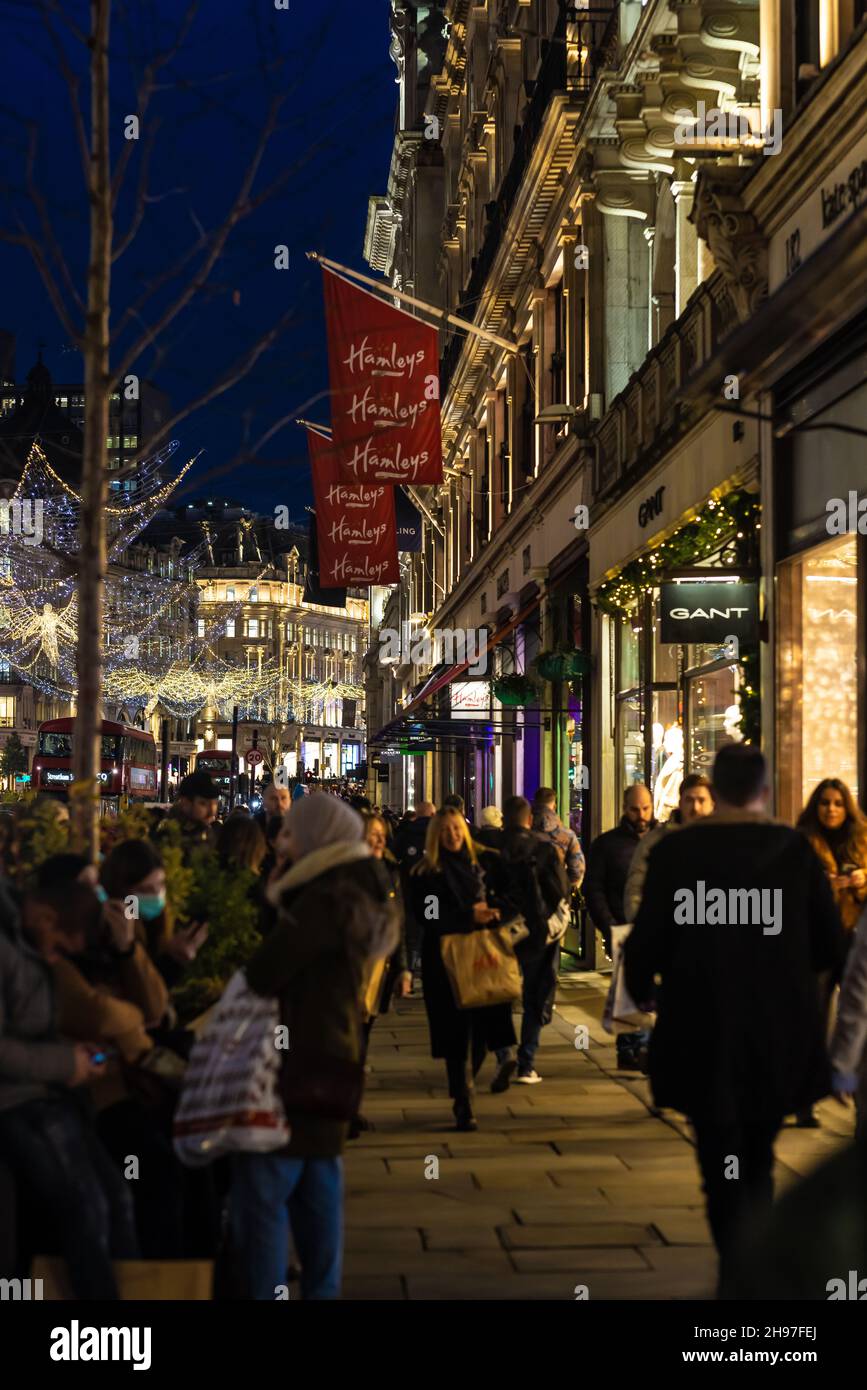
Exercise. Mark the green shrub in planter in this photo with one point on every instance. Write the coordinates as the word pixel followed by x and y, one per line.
pixel 516 690
pixel 562 666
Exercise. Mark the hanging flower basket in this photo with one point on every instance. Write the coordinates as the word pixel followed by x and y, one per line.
pixel 562 666
pixel 516 690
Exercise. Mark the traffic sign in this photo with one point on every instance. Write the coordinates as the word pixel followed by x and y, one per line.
pixel 254 756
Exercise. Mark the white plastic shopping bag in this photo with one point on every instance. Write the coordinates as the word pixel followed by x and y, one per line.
pixel 230 1100
pixel 621 1011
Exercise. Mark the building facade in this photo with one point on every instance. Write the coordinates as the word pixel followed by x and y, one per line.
pixel 302 706
pixel 656 204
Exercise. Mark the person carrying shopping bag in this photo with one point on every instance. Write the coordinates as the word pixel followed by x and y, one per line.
pixel 448 895
pixel 334 916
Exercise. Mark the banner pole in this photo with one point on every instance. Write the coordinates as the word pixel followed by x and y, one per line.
pixel 386 289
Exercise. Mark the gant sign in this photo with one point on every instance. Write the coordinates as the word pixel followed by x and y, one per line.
pixel 709 612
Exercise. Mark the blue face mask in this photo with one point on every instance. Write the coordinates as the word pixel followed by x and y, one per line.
pixel 151 905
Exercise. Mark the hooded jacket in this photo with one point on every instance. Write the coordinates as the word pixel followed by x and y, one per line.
pixel 335 914
pixel 548 824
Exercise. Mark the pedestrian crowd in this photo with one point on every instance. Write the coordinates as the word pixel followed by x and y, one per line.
pixel 356 906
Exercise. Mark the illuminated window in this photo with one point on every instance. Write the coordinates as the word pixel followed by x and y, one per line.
pixel 7 711
pixel 200 627
pixel 230 627
pixel 130 441
pixel 252 627
pixel 230 594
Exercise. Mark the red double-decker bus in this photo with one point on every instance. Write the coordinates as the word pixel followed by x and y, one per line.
pixel 127 763
pixel 217 762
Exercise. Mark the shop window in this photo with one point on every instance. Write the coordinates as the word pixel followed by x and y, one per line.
pixel 817 673
pixel 676 704
pixel 7 711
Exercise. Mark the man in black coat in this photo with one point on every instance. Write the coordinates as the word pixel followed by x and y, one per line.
pixel 527 876
pixel 737 919
pixel 609 858
pixel 409 841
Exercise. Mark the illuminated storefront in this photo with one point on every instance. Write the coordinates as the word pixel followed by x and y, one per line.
pixel 679 621
pixel 821 578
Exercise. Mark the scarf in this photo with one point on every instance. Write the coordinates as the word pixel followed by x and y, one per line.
pixel 319 861
pixel 463 878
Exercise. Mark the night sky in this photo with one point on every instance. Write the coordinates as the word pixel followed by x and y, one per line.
pixel 332 151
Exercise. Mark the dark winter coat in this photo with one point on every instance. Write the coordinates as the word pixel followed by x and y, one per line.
pixel 335 913
pixel 739 1034
pixel 608 862
pixel 409 841
pixel 409 851
pixel 34 1060
pixel 488 836
pixel 451 1028
pixel 399 961
pixel 527 876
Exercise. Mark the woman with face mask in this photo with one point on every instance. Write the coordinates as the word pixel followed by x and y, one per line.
pixel 132 883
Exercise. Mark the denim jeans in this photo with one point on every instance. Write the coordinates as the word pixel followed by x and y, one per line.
pixel 82 1199
pixel 539 975
pixel 270 1191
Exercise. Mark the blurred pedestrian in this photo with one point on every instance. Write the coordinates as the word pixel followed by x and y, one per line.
pixel 546 822
pixel 849 1043
pixel 194 809
pixel 66 1179
pixel 736 920
pixel 695 799
pixel 389 978
pixel 609 860
pixel 241 844
pixel 837 830
pixel 335 917
pixel 532 881
pixel 490 832
pixel 450 879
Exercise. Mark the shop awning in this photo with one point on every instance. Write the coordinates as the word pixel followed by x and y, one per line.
pixel 438 681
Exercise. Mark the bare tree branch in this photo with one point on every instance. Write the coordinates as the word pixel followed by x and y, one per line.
pixel 145 92
pixel 230 378
pixel 73 83
pixel 47 229
pixel 240 208
pixel 23 238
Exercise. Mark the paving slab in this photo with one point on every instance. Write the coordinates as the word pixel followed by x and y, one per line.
pixel 577 1181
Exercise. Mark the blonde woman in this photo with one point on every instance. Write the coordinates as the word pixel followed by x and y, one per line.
pixel 448 894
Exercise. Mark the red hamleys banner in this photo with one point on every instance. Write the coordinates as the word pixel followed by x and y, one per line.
pixel 355 524
pixel 383 366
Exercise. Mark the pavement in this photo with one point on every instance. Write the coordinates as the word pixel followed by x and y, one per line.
pixel 570 1189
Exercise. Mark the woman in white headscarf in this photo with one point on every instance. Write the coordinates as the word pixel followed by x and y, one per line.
pixel 335 915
